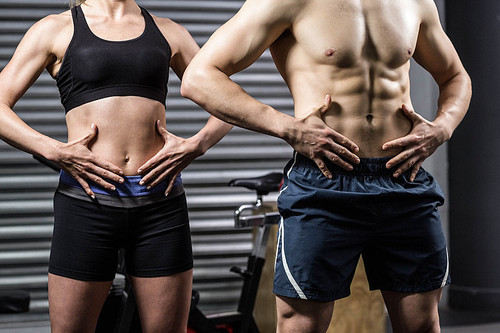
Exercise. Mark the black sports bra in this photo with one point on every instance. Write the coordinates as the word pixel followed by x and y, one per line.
pixel 94 68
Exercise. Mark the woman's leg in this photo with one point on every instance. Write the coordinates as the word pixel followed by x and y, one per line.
pixel 163 302
pixel 75 305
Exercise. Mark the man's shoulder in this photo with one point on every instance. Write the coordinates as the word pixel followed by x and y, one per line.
pixel 281 4
pixel 275 9
pixel 426 8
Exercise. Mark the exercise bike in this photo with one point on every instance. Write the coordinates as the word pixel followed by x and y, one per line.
pixel 262 216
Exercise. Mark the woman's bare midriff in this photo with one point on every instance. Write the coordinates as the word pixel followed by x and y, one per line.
pixel 126 129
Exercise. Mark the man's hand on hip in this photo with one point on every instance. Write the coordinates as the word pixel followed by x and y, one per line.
pixel 314 139
pixel 423 140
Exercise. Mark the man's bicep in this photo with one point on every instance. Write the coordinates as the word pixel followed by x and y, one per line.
pixel 242 40
pixel 435 52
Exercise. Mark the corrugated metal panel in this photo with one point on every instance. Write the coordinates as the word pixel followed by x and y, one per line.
pixel 26 188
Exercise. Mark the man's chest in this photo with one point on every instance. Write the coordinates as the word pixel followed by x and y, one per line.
pixel 345 32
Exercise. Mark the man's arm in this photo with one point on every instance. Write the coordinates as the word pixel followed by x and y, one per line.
pixel 437 55
pixel 234 47
pixel 177 153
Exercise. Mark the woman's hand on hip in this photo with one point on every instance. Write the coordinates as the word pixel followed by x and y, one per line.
pixel 176 154
pixel 77 160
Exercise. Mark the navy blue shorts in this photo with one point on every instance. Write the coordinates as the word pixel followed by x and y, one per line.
pixel 153 230
pixel 328 223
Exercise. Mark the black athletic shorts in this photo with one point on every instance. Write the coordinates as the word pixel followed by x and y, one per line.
pixel 328 223
pixel 153 230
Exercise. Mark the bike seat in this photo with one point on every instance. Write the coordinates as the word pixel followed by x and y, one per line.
pixel 270 182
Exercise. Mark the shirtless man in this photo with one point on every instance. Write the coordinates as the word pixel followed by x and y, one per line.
pixel 355 184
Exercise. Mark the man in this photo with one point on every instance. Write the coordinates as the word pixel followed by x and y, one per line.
pixel 355 184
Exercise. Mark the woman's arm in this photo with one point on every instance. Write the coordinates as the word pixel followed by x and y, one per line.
pixel 185 50
pixel 177 153
pixel 39 49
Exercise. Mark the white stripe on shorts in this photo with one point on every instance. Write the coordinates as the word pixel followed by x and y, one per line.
pixel 289 170
pixel 285 264
pixel 447 270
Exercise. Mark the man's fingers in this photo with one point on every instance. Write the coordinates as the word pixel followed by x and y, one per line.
pixel 335 159
pixel 322 166
pixel 319 111
pixel 400 158
pixel 415 170
pixel 401 142
pixel 345 153
pixel 393 144
pixel 344 141
pixel 409 112
pixel 327 102
pixel 409 163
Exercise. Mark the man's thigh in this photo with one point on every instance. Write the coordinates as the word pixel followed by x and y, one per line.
pixel 407 252
pixel 413 312
pixel 298 315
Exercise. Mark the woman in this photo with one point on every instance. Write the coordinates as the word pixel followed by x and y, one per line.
pixel 120 184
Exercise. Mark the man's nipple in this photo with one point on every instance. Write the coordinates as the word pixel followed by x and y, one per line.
pixel 329 52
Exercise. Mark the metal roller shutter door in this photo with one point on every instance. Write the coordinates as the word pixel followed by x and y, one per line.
pixel 26 188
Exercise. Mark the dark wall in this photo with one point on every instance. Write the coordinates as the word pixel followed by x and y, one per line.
pixel 474 160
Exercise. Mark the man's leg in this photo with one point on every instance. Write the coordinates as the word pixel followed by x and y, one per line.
pixel 163 302
pixel 298 315
pixel 413 312
pixel 74 305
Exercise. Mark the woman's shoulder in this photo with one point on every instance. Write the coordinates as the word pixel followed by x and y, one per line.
pixel 48 30
pixel 173 32
pixel 54 22
pixel 167 25
pixel 51 35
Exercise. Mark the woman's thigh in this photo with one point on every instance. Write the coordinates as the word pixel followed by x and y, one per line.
pixel 163 302
pixel 75 305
